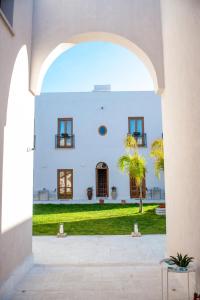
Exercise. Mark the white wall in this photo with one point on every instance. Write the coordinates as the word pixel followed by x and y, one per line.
pixel 181 115
pixel 16 131
pixel 90 147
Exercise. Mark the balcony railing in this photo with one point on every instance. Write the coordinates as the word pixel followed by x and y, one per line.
pixel 141 138
pixel 64 141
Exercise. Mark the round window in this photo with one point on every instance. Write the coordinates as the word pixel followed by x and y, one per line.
pixel 102 130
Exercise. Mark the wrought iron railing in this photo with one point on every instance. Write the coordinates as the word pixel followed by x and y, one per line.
pixel 155 193
pixel 141 138
pixel 64 141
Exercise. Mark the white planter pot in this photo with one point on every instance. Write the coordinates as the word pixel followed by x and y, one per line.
pixel 160 211
pixel 114 195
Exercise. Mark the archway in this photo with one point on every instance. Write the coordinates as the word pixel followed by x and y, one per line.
pixel 46 182
pixel 102 180
pixel 38 76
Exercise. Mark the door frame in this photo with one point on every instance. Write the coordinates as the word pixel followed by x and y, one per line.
pixel 58 187
pixel 107 178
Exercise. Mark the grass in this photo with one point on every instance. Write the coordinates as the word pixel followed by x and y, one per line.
pixel 96 219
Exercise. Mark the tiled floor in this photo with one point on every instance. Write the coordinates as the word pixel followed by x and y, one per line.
pixel 97 268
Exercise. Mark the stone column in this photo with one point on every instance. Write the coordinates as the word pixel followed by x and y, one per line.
pixel 181 120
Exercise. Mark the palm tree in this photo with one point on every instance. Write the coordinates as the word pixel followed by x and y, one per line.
pixel 157 152
pixel 134 165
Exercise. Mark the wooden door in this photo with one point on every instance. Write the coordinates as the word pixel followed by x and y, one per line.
pixel 135 191
pixel 102 182
pixel 65 184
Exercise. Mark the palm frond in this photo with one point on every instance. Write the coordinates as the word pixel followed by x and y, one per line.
pixel 157 152
pixel 130 142
pixel 124 162
pixel 134 165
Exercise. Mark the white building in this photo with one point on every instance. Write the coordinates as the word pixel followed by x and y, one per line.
pixel 80 137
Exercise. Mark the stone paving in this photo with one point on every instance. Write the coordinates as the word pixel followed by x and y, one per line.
pixel 97 268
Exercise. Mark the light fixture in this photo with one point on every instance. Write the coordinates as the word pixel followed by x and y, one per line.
pixel 135 232
pixel 61 232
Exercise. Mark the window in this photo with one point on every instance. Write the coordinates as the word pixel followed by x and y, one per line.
pixel 65 137
pixel 7 7
pixel 136 129
pixel 65 184
pixel 102 130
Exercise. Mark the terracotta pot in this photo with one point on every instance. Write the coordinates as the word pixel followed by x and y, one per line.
pixel 162 205
pixel 101 201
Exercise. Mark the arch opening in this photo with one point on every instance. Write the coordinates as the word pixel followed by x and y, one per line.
pixel 82 114
pixel 37 79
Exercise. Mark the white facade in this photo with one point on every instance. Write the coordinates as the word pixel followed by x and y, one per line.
pixel 89 111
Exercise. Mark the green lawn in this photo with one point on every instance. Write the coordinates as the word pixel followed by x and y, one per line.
pixel 84 219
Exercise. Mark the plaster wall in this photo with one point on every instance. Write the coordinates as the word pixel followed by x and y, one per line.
pixel 135 24
pixel 16 107
pixel 90 110
pixel 181 111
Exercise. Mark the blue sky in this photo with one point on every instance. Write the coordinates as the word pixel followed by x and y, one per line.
pixel 86 64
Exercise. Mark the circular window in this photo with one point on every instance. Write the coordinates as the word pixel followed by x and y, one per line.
pixel 102 130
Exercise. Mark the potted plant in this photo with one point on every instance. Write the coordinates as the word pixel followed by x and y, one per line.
pixel 196 296
pixel 64 135
pixel 182 262
pixel 136 134
pixel 89 193
pixel 113 192
pixel 160 210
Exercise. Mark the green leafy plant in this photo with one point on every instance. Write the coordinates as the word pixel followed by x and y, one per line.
pixel 133 164
pixel 157 152
pixel 181 261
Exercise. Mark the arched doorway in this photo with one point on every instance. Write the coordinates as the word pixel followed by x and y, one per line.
pixel 102 180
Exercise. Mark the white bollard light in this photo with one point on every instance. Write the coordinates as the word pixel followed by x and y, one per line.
pixel 61 228
pixel 135 227
pixel 135 232
pixel 61 232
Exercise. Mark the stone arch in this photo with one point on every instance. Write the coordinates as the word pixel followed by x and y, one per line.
pixel 39 74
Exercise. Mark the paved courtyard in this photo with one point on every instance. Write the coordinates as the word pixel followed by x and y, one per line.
pixel 96 267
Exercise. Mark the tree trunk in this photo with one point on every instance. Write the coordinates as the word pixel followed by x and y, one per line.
pixel 141 204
